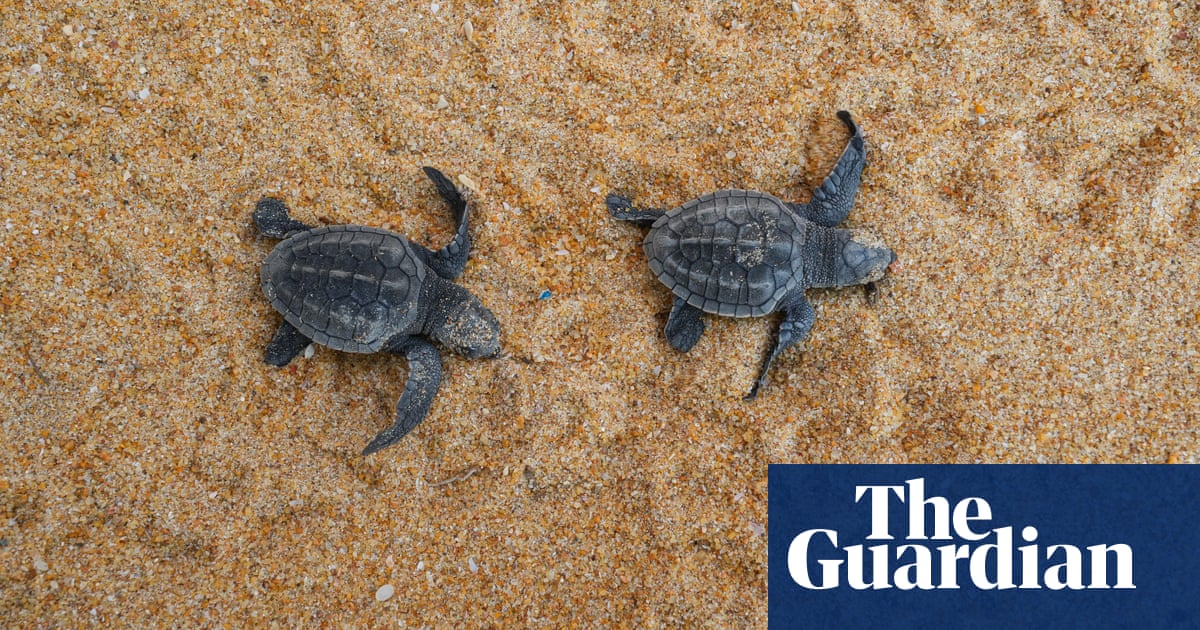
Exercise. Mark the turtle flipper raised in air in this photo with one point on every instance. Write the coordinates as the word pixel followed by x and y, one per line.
pixel 449 261
pixel 832 200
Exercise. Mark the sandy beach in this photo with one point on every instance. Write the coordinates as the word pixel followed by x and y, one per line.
pixel 1034 166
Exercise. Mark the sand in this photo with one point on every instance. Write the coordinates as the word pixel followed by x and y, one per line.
pixel 1034 166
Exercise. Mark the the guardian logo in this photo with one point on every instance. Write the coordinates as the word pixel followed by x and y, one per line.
pixel 946 546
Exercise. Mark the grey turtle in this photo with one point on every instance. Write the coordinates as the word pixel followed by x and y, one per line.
pixel 741 253
pixel 363 289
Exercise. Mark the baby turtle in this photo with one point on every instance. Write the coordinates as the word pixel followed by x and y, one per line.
pixel 741 253
pixel 363 289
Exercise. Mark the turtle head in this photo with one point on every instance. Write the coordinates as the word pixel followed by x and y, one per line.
pixel 862 258
pixel 467 326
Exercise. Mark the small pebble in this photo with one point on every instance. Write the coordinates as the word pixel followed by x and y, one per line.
pixel 442 103
pixel 545 295
pixel 385 593
pixel 41 565
pixel 309 351
pixel 471 564
pixel 469 183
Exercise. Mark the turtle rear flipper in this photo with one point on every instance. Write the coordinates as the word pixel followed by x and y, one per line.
pixel 287 343
pixel 621 208
pixel 684 325
pixel 424 377
pixel 271 217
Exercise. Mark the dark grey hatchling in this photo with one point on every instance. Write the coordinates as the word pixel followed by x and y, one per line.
pixel 363 289
pixel 741 253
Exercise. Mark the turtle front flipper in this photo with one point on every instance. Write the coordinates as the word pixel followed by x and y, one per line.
pixel 450 261
pixel 797 322
pixel 271 217
pixel 831 202
pixel 287 343
pixel 684 325
pixel 621 208
pixel 424 377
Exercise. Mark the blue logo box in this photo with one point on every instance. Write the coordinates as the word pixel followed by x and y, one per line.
pixel 983 546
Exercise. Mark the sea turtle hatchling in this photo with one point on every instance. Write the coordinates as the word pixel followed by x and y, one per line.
pixel 363 289
pixel 742 253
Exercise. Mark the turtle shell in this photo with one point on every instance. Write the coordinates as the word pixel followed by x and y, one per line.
pixel 348 287
pixel 733 252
